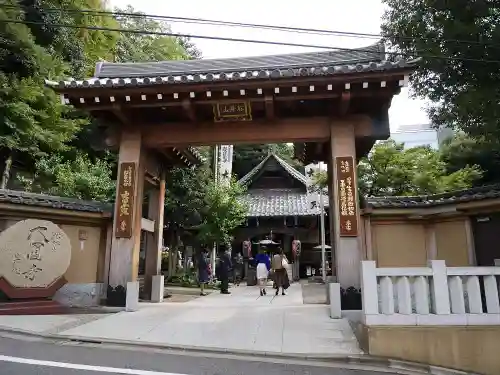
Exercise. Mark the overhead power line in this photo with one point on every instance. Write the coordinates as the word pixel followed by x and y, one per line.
pixel 250 25
pixel 241 40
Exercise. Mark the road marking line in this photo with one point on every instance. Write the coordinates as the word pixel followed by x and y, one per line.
pixel 74 366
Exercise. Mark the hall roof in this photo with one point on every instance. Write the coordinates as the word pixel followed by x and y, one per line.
pixel 341 61
pixel 250 176
pixel 277 202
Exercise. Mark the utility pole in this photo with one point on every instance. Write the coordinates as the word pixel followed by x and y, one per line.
pixel 322 224
pixel 215 169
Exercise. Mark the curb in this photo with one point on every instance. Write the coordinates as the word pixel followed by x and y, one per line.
pixel 375 363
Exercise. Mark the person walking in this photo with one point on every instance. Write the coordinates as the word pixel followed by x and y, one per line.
pixel 279 264
pixel 263 265
pixel 223 271
pixel 203 270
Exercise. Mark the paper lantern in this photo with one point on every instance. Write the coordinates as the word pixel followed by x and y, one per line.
pixel 296 247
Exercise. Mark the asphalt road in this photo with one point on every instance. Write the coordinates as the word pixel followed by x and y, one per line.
pixel 30 356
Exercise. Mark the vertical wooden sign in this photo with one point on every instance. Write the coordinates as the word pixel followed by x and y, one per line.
pixel 124 210
pixel 347 206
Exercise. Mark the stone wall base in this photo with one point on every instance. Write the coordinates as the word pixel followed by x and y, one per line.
pixel 464 348
pixel 80 295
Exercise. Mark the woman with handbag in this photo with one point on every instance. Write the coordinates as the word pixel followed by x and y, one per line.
pixel 280 274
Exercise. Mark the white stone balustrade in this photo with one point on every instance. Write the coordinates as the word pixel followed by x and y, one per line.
pixel 434 295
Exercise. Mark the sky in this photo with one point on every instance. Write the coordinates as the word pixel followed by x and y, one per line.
pixel 360 16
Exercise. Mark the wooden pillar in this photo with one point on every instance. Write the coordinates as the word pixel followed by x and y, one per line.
pixel 344 207
pixel 154 241
pixel 126 237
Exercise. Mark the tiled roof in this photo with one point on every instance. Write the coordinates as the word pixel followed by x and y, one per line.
pixel 278 202
pixel 454 197
pixel 41 200
pixel 367 59
pixel 248 178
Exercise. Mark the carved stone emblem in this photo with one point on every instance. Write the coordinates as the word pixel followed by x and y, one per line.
pixel 34 253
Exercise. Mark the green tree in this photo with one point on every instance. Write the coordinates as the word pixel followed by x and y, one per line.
pixel 462 151
pixel 81 178
pixel 80 47
pixel 222 212
pixel 463 86
pixel 33 121
pixel 137 47
pixel 98 45
pixel 390 169
pixel 185 196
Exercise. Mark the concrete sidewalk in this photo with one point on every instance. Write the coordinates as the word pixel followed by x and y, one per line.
pixel 241 323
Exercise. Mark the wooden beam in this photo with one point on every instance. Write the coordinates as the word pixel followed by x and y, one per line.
pixel 189 110
pixel 386 92
pixel 319 148
pixel 345 100
pixel 269 102
pixel 281 130
pixel 120 114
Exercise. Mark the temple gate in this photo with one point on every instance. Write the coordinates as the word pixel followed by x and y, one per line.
pixel 332 105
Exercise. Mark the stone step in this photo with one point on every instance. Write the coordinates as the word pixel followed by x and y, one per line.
pixel 32 307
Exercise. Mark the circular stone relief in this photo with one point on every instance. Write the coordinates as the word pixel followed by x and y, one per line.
pixel 34 253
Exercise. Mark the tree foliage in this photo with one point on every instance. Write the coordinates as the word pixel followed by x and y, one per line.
pixel 222 212
pixel 136 47
pixel 33 121
pixel 463 86
pixel 462 151
pixel 80 178
pixel 390 169
pixel 184 198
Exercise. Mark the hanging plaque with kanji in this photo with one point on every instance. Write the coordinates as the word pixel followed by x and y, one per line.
pixel 125 200
pixel 346 189
pixel 232 111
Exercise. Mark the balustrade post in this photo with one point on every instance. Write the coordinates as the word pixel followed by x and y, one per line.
pixel 457 295
pixel 369 287
pixel 421 287
pixel 404 296
pixel 474 295
pixel 439 288
pixel 387 294
pixel 491 293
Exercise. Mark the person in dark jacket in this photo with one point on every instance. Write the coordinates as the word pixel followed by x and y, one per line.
pixel 203 270
pixel 223 271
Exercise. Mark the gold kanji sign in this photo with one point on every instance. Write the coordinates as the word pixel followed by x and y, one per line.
pixel 232 111
pixel 124 209
pixel 347 206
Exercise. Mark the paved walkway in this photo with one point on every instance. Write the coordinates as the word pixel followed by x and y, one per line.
pixel 242 322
